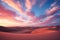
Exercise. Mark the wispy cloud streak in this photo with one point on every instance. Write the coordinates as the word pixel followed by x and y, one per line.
pixel 14 5
pixel 29 4
pixel 52 11
pixel 42 2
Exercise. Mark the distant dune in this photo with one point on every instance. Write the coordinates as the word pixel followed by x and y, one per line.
pixel 36 34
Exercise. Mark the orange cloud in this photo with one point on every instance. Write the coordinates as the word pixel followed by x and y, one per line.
pixel 29 4
pixel 6 22
pixel 8 18
pixel 18 6
pixel 10 23
pixel 14 5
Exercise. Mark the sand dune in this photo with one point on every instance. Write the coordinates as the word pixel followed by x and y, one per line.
pixel 38 34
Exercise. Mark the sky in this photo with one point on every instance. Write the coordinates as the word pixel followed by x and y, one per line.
pixel 29 13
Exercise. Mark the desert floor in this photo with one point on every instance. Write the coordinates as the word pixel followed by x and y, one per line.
pixel 38 34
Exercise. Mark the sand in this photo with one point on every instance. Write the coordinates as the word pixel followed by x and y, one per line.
pixel 39 34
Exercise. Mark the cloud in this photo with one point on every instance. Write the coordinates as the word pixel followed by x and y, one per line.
pixel 7 17
pixel 52 10
pixel 54 7
pixel 5 22
pixel 10 23
pixel 45 22
pixel 27 17
pixel 53 4
pixel 5 13
pixel 19 8
pixel 29 4
pixel 42 2
pixel 14 5
pixel 48 19
pixel 30 14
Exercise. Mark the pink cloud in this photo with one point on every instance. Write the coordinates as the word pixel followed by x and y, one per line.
pixel 47 20
pixel 14 5
pixel 7 18
pixel 30 14
pixel 52 10
pixel 5 13
pixel 35 21
pixel 19 8
pixel 29 4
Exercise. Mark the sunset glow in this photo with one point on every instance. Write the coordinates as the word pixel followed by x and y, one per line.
pixel 29 13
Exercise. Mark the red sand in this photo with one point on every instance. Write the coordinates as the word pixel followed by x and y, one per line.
pixel 43 31
pixel 39 34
